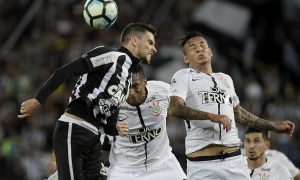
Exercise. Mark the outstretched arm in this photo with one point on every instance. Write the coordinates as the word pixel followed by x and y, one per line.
pixel 74 68
pixel 250 120
pixel 177 108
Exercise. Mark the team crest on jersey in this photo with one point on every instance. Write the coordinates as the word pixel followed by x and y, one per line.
pixel 156 108
pixel 264 176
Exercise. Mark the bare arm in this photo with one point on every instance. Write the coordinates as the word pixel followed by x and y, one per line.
pixel 250 120
pixel 177 108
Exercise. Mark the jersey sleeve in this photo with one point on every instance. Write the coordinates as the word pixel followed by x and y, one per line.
pixel 284 160
pixel 75 68
pixel 100 56
pixel 235 98
pixel 179 85
pixel 282 172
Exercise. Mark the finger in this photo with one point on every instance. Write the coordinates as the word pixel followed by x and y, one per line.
pixel 22 116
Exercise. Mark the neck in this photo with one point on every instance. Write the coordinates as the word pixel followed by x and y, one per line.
pixel 253 164
pixel 204 68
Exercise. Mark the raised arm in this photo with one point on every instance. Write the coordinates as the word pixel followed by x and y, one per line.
pixel 74 68
pixel 178 109
pixel 250 120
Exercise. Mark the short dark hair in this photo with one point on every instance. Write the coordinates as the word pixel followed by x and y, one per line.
pixel 188 36
pixel 256 130
pixel 138 69
pixel 136 27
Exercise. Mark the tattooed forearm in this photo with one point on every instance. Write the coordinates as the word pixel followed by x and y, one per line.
pixel 178 109
pixel 250 120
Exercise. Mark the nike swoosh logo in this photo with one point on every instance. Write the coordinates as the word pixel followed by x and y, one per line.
pixel 123 118
pixel 197 79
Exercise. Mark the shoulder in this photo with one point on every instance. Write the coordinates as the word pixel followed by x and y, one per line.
pixel 270 153
pixel 100 50
pixel 183 71
pixel 277 167
pixel 158 85
pixel 181 74
pixel 223 75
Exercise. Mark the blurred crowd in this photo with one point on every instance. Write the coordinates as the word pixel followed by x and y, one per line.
pixel 264 64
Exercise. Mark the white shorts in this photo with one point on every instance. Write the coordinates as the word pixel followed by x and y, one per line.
pixel 232 168
pixel 168 169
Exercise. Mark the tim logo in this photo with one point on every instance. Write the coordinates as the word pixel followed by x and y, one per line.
pixel 215 96
pixel 145 135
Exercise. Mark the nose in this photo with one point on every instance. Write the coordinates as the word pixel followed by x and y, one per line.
pixel 154 50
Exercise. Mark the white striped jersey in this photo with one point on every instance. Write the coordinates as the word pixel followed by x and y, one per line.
pixel 271 170
pixel 147 142
pixel 106 85
pixel 277 156
pixel 212 93
pixel 274 155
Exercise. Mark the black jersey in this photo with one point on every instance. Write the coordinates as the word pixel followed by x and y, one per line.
pixel 105 76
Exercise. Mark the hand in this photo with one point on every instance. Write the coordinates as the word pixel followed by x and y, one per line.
pixel 122 128
pixel 284 127
pixel 28 107
pixel 223 119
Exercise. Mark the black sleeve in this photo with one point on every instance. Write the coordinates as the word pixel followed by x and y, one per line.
pixel 75 68
pixel 110 127
pixel 106 144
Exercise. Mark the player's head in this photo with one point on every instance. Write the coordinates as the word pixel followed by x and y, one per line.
pixel 139 39
pixel 256 143
pixel 195 49
pixel 137 90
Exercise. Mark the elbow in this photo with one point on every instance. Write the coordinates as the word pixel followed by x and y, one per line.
pixel 172 111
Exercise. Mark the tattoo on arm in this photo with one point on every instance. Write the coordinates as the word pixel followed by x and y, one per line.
pixel 250 120
pixel 177 108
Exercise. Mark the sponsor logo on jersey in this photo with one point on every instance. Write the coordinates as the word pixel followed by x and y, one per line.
pixel 197 79
pixel 103 59
pixel 118 95
pixel 146 135
pixel 216 95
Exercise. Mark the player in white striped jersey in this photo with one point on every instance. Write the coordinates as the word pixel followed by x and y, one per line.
pixel 259 166
pixel 144 153
pixel 277 156
pixel 103 84
pixel 208 102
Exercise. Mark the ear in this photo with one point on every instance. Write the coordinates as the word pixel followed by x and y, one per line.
pixel 133 40
pixel 268 144
pixel 185 59
pixel 210 53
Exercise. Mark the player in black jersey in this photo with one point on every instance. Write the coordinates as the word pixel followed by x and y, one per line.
pixel 105 76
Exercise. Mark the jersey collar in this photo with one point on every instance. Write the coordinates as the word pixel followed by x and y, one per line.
pixel 134 59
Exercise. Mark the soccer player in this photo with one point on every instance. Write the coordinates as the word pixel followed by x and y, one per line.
pixel 105 76
pixel 277 156
pixel 210 106
pixel 144 153
pixel 260 167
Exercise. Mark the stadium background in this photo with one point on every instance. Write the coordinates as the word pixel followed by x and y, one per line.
pixel 256 42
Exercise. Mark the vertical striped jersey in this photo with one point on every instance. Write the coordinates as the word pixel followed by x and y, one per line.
pixel 212 93
pixel 103 84
pixel 147 143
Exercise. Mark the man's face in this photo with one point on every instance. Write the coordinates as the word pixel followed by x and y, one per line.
pixel 137 90
pixel 197 51
pixel 255 145
pixel 145 47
